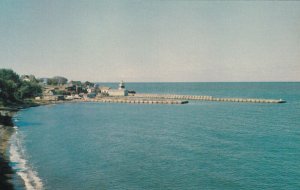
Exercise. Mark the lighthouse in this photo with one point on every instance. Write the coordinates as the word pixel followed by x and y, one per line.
pixel 122 85
pixel 121 91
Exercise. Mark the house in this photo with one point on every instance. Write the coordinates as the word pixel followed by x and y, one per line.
pixel 90 89
pixel 25 78
pixel 104 89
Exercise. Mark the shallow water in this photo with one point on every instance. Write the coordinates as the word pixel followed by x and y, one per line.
pixel 200 145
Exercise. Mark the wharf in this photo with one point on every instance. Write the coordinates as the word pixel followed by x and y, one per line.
pixel 208 98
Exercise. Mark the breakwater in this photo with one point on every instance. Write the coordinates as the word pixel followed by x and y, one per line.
pixel 134 100
pixel 162 99
pixel 207 98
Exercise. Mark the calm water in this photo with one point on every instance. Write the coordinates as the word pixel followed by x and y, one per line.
pixel 201 145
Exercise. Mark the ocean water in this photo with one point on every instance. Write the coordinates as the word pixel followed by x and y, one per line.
pixel 200 145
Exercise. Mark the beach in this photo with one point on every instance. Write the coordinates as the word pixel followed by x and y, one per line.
pixel 6 131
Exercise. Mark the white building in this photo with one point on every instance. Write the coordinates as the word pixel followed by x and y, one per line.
pixel 117 92
pixel 104 89
pixel 90 90
pixel 25 78
pixel 121 91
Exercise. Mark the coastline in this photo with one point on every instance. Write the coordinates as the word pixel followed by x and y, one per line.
pixel 6 170
pixel 6 131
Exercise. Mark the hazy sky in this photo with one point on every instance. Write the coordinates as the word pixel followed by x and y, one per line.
pixel 152 40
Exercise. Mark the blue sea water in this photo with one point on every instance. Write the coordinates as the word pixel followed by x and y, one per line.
pixel 200 145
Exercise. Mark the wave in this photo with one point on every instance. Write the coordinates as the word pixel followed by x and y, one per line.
pixel 21 166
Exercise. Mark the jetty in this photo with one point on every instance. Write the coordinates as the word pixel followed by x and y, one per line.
pixel 207 98
pixel 172 99
pixel 135 100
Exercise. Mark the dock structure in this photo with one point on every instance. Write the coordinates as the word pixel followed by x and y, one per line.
pixel 208 98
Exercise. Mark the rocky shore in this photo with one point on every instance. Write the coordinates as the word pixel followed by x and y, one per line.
pixel 6 130
pixel 6 172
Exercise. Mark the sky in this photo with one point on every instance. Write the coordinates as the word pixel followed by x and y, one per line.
pixel 152 41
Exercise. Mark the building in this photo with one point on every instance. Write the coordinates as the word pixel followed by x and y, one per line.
pixel 25 78
pixel 121 91
pixel 117 92
pixel 104 89
pixel 90 90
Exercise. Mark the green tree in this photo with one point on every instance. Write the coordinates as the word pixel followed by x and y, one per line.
pixel 29 89
pixel 14 90
pixel 9 84
pixel 87 83
pixel 60 80
pixel 8 74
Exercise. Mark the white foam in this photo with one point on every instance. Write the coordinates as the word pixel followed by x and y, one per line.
pixel 30 177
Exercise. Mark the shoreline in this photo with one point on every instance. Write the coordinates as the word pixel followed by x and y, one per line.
pixel 6 131
pixel 6 170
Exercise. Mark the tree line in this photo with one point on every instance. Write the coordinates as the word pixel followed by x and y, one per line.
pixel 57 80
pixel 14 89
